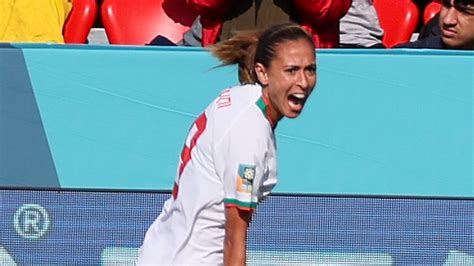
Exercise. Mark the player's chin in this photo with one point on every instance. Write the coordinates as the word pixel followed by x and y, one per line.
pixel 293 110
pixel 292 114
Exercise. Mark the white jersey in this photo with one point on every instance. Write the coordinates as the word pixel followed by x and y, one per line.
pixel 229 159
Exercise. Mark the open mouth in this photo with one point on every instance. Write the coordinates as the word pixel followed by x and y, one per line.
pixel 296 101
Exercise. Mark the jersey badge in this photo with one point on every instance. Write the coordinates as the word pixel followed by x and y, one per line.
pixel 245 178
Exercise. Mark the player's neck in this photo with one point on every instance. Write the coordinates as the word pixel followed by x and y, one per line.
pixel 272 115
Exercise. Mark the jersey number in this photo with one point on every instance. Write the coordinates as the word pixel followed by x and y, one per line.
pixel 195 132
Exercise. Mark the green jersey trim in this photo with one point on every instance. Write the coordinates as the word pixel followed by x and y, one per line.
pixel 262 106
pixel 240 203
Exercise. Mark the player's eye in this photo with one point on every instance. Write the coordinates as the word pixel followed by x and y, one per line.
pixel 311 69
pixel 292 70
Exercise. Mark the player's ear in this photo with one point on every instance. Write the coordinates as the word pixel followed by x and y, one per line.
pixel 261 72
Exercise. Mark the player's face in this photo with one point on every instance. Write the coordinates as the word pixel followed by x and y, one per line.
pixel 457 24
pixel 289 79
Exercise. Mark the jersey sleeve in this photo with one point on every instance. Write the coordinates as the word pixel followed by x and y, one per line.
pixel 241 162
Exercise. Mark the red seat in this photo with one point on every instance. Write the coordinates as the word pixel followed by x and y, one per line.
pixel 80 21
pixel 139 21
pixel 431 10
pixel 398 19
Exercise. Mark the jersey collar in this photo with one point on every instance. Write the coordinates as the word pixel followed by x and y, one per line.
pixel 262 104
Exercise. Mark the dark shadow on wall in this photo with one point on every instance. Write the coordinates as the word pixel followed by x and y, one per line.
pixel 25 155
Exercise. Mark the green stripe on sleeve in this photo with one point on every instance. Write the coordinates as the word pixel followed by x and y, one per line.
pixel 240 203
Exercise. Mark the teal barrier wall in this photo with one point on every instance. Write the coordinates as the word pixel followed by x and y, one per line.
pixel 379 123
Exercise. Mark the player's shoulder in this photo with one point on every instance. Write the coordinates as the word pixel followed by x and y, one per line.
pixel 239 106
pixel 238 98
pixel 245 93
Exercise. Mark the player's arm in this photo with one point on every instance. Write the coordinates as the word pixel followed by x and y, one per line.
pixel 241 164
pixel 237 222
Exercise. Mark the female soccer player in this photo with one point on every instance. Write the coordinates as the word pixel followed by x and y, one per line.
pixel 228 163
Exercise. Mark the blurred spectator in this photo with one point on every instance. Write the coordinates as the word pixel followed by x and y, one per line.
pixel 456 23
pixel 321 18
pixel 360 27
pixel 33 20
pixel 431 28
pixel 221 19
pixel 255 15
pixel 193 37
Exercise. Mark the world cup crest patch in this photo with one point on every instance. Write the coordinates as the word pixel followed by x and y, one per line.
pixel 245 178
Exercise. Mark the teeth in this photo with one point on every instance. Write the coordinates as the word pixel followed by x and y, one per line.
pixel 299 96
